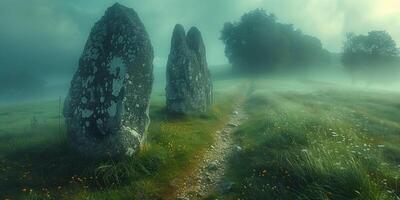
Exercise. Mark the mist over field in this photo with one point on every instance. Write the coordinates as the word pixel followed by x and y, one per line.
pixel 44 39
pixel 210 99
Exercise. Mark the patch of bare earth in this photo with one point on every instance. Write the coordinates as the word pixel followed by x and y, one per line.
pixel 207 177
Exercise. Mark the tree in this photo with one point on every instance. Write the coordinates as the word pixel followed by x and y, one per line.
pixel 258 42
pixel 373 56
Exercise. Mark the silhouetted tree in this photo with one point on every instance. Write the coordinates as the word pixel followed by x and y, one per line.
pixel 373 56
pixel 258 42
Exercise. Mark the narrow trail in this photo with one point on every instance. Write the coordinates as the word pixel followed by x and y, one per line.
pixel 208 175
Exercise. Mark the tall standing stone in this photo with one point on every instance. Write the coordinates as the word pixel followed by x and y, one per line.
pixel 107 108
pixel 189 84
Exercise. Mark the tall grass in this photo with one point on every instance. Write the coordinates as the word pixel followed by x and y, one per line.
pixel 37 163
pixel 316 144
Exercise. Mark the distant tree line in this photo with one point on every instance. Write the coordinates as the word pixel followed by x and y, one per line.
pixel 259 43
pixel 371 57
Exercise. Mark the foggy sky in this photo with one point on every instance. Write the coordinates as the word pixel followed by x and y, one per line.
pixel 48 36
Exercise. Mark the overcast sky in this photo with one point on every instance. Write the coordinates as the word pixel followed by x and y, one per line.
pixel 49 35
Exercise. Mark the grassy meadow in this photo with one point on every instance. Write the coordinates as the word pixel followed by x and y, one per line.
pixel 36 162
pixel 309 140
pixel 302 140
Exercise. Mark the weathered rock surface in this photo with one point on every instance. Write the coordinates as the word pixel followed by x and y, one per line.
pixel 189 84
pixel 106 110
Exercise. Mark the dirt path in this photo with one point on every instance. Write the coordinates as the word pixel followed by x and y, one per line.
pixel 208 176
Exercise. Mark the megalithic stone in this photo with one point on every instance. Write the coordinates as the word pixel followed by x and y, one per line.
pixel 107 107
pixel 189 86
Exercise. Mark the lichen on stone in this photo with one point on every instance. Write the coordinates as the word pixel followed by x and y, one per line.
pixel 189 84
pixel 116 65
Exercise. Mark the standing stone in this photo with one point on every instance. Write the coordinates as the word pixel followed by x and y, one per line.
pixel 189 84
pixel 107 108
